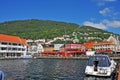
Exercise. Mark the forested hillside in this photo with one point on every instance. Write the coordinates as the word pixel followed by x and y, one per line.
pixel 36 29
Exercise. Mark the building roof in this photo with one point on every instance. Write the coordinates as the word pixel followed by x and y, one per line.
pixel 89 45
pixel 74 46
pixel 12 39
pixel 24 42
pixel 103 43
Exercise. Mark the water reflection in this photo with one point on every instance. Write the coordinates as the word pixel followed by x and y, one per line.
pixel 13 68
pixel 45 69
pixel 96 78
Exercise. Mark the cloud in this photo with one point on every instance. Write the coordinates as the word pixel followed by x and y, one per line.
pixel 103 2
pixel 105 12
pixel 114 24
pixel 96 25
pixel 110 12
pixel 104 25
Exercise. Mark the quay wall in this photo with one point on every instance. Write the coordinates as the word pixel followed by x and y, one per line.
pixel 56 57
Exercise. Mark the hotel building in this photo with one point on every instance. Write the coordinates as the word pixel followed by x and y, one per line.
pixel 12 46
pixel 108 46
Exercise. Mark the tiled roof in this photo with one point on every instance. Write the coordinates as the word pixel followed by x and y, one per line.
pixel 89 45
pixel 24 42
pixel 13 39
pixel 103 43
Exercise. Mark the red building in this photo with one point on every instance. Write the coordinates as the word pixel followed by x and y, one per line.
pixel 72 50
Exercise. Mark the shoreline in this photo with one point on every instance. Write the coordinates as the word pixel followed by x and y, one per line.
pixel 55 57
pixel 68 58
pixel 79 58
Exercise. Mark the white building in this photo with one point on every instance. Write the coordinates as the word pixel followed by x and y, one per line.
pixel 114 40
pixel 58 46
pixel 12 46
pixel 34 47
pixel 111 44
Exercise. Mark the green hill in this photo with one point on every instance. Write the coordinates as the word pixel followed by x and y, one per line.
pixel 37 29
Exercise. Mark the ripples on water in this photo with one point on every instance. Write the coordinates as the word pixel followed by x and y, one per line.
pixel 45 69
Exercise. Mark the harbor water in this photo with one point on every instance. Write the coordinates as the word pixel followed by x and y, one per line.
pixel 45 69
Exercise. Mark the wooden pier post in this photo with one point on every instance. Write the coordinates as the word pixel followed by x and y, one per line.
pixel 118 71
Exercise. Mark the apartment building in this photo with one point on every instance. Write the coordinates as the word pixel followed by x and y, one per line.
pixel 12 46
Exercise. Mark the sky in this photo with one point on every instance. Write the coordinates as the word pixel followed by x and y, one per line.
pixel 102 14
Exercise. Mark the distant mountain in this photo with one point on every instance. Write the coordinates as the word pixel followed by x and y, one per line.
pixel 36 29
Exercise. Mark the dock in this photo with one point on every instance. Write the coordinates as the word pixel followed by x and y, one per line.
pixel 52 57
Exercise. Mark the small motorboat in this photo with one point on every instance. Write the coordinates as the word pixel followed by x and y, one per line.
pixel 1 75
pixel 100 65
pixel 27 57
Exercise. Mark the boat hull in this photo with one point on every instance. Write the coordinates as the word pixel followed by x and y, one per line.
pixel 100 66
pixel 1 75
pixel 26 57
pixel 90 71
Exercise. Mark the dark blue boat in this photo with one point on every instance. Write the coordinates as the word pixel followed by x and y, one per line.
pixel 1 75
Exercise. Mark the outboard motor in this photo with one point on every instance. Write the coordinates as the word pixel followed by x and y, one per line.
pixel 95 65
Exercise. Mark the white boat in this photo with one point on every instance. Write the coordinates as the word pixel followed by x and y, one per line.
pixel 100 65
pixel 26 57
pixel 1 75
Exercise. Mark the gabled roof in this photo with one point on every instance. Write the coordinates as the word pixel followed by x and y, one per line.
pixel 12 39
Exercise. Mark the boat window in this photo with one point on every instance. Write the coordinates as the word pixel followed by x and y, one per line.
pixel 103 61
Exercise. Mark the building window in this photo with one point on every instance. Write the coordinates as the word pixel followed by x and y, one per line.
pixel 19 44
pixel 23 49
pixel 14 44
pixel 3 48
pixel 19 49
pixel 9 48
pixel 4 43
pixel 10 43
pixel 14 48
